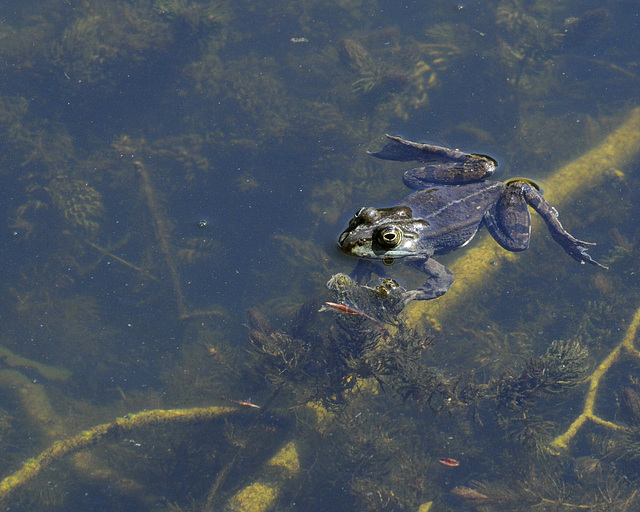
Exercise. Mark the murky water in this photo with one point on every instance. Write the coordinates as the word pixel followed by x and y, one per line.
pixel 175 178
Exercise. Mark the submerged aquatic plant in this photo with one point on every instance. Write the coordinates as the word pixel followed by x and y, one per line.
pixel 327 362
pixel 563 366
pixel 371 74
pixel 79 203
pixel 94 47
pixel 195 15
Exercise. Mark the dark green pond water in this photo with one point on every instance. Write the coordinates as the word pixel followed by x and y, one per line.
pixel 175 176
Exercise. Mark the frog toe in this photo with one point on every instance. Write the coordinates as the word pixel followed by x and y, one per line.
pixel 579 253
pixel 575 248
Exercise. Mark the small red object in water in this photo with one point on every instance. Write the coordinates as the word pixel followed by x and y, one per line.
pixel 449 462
pixel 241 403
pixel 351 311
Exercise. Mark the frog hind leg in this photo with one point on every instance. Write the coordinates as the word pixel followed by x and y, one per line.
pixel 402 150
pixel 446 174
pixel 443 165
pixel 575 248
pixel 508 220
pixel 439 282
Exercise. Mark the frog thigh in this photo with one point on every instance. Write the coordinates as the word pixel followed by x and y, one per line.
pixel 509 221
pixel 445 173
pixel 439 282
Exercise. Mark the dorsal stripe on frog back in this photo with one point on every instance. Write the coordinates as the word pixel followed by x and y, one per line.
pixel 455 217
pixel 459 199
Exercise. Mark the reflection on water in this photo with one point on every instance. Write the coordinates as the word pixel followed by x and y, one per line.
pixel 126 124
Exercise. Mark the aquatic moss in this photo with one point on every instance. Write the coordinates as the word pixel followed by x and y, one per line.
pixel 95 46
pixel 260 495
pixel 108 431
pixel 287 458
pixel 47 371
pixel 195 15
pixel 79 203
pixel 588 412
pixel 255 498
pixel 34 402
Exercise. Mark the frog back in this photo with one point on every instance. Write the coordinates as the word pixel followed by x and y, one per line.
pixel 453 212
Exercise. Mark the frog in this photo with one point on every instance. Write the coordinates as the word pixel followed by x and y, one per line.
pixel 452 199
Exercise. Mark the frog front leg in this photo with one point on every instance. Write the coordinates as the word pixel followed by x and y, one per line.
pixel 439 282
pixel 575 248
pixel 365 269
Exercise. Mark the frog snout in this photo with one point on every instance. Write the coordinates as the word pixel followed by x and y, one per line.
pixel 350 242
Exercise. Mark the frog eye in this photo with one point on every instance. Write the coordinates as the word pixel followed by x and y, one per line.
pixel 390 237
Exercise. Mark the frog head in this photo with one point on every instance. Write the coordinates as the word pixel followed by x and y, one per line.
pixel 382 233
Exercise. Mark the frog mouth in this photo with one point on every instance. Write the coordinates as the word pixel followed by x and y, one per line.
pixel 354 245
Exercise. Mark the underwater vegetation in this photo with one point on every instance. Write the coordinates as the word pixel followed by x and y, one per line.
pixel 93 46
pixel 350 385
pixel 370 75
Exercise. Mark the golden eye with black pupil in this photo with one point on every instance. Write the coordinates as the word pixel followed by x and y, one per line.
pixel 390 237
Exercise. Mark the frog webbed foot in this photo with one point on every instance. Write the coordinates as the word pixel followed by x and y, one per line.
pixel 575 248
pixel 439 282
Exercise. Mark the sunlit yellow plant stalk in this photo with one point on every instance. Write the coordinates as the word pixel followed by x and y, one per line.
pixel 627 344
pixel 110 431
